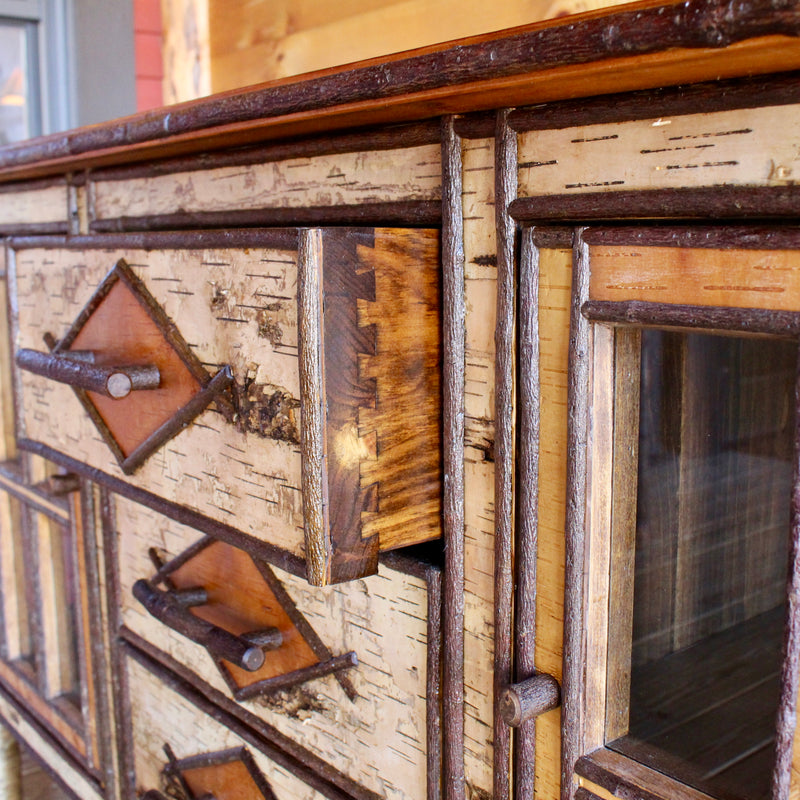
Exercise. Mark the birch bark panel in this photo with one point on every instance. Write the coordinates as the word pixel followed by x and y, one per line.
pixel 161 716
pixel 379 740
pixel 480 253
pixel 555 285
pixel 697 276
pixel 744 147
pixel 33 206
pixel 232 307
pixel 401 174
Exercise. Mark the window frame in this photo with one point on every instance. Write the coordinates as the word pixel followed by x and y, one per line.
pixel 593 481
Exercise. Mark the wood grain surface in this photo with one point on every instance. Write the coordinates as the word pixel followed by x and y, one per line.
pixel 480 282
pixel 746 278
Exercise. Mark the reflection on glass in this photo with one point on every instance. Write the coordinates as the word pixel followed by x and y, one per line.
pixel 14 90
pixel 712 543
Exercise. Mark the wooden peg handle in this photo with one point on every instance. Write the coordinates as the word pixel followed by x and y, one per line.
pixel 222 644
pixel 114 382
pixel 523 701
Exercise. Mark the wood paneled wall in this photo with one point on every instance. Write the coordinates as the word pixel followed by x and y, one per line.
pixel 215 45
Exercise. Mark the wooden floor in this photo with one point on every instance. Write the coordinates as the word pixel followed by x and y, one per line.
pixel 706 714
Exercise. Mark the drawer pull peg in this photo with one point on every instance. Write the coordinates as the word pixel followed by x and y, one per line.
pixel 239 650
pixel 522 701
pixel 83 373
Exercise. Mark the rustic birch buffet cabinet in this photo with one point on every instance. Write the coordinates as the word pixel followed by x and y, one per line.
pixel 426 428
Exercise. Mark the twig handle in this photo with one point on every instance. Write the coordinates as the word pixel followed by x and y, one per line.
pixel 115 382
pixel 246 651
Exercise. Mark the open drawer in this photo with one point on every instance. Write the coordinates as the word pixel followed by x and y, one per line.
pixel 348 672
pixel 277 388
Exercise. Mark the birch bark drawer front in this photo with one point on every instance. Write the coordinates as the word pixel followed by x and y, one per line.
pixel 350 672
pixel 176 745
pixel 244 378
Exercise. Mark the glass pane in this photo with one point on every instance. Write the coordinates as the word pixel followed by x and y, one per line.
pixel 14 83
pixel 712 542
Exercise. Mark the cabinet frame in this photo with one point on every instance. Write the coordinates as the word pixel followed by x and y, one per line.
pixel 594 479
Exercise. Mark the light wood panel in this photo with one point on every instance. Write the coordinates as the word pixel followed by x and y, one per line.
pixel 697 276
pixel 555 281
pixel 480 252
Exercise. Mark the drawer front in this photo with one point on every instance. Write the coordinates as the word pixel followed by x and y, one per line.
pixel 370 722
pixel 323 446
pixel 169 741
pixel 38 207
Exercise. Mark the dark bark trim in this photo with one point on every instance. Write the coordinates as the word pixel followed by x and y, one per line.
pixel 551 238
pixel 790 669
pixel 752 237
pixel 745 320
pixel 707 202
pixel 118 690
pixel 298 619
pixel 480 125
pixel 277 238
pixel 505 191
pixel 584 794
pixel 776 90
pixel 32 186
pixel 528 502
pixel 99 657
pixel 389 137
pixel 35 228
pixel 422 561
pixel 577 444
pixel 410 213
pixel 219 530
pixel 218 385
pixel 621 34
pixel 612 773
pixel 313 409
pixel 433 685
pixel 333 665
pixel 453 357
pixel 300 762
pixel 12 483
